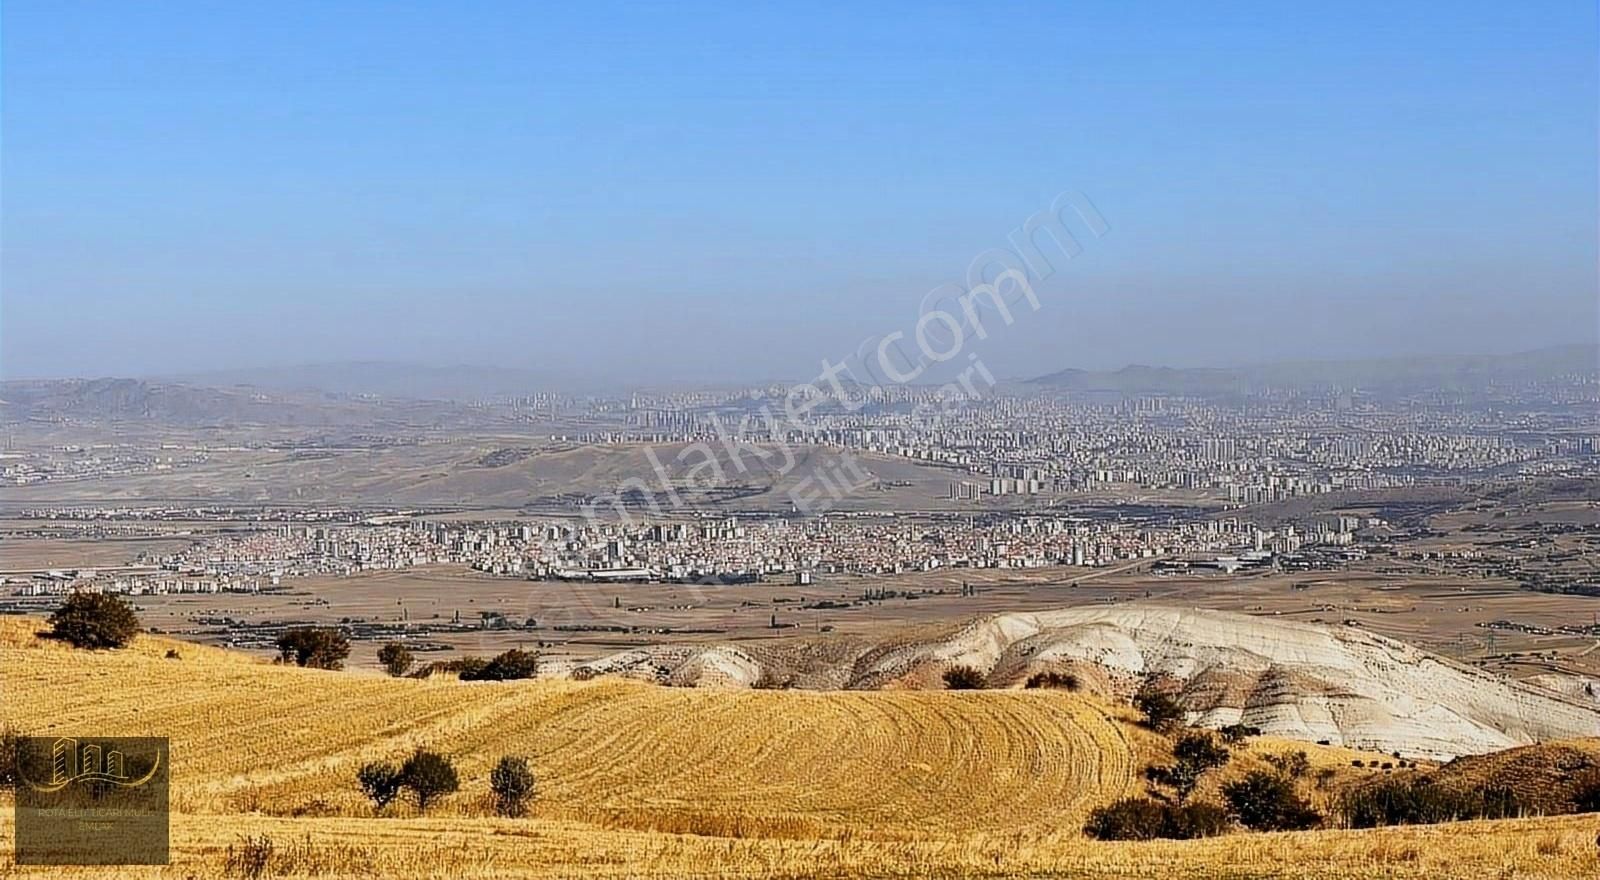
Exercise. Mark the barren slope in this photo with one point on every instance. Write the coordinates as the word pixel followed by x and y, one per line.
pixel 1302 681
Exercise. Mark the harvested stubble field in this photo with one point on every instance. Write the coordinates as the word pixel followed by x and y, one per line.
pixel 637 780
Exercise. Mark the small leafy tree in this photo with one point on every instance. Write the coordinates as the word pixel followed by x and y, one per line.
pixel 1195 753
pixel 963 678
pixel 94 620
pixel 1200 749
pixel 316 647
pixel 1162 712
pixel 429 776
pixel 512 784
pixel 396 659
pixel 380 781
pixel 1266 801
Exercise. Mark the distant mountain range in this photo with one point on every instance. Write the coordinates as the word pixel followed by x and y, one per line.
pixel 371 393
pixel 170 403
pixel 390 379
pixel 1455 373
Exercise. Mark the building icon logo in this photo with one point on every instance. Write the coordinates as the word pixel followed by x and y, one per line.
pixel 71 762
pixel 92 800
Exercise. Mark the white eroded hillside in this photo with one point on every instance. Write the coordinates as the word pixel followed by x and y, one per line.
pixel 1304 681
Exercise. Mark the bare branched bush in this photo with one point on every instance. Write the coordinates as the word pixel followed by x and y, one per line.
pixel 249 858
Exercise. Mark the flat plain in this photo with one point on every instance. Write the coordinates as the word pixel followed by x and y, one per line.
pixel 1443 611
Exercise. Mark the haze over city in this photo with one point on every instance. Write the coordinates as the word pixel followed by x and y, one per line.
pixel 649 193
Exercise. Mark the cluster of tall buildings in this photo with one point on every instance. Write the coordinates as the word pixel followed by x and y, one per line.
pixel 730 548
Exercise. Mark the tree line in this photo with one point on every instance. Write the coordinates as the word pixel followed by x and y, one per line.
pixel 430 777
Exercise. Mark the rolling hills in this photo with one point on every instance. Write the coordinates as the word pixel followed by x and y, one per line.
pixel 1303 681
pixel 1463 374
pixel 253 737
pixel 135 402
pixel 639 780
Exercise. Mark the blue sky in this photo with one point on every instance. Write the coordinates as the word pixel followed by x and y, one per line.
pixel 712 191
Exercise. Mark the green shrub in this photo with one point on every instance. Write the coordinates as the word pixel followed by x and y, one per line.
pixel 1421 800
pixel 1192 821
pixel 1199 748
pixel 315 647
pixel 396 658
pixel 963 678
pixel 1264 801
pixel 506 666
pixel 1146 819
pixel 1061 680
pixel 1128 819
pixel 1234 734
pixel 380 781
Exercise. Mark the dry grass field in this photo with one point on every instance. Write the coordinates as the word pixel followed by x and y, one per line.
pixel 636 780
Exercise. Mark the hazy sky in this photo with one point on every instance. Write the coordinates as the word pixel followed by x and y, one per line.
pixel 671 190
